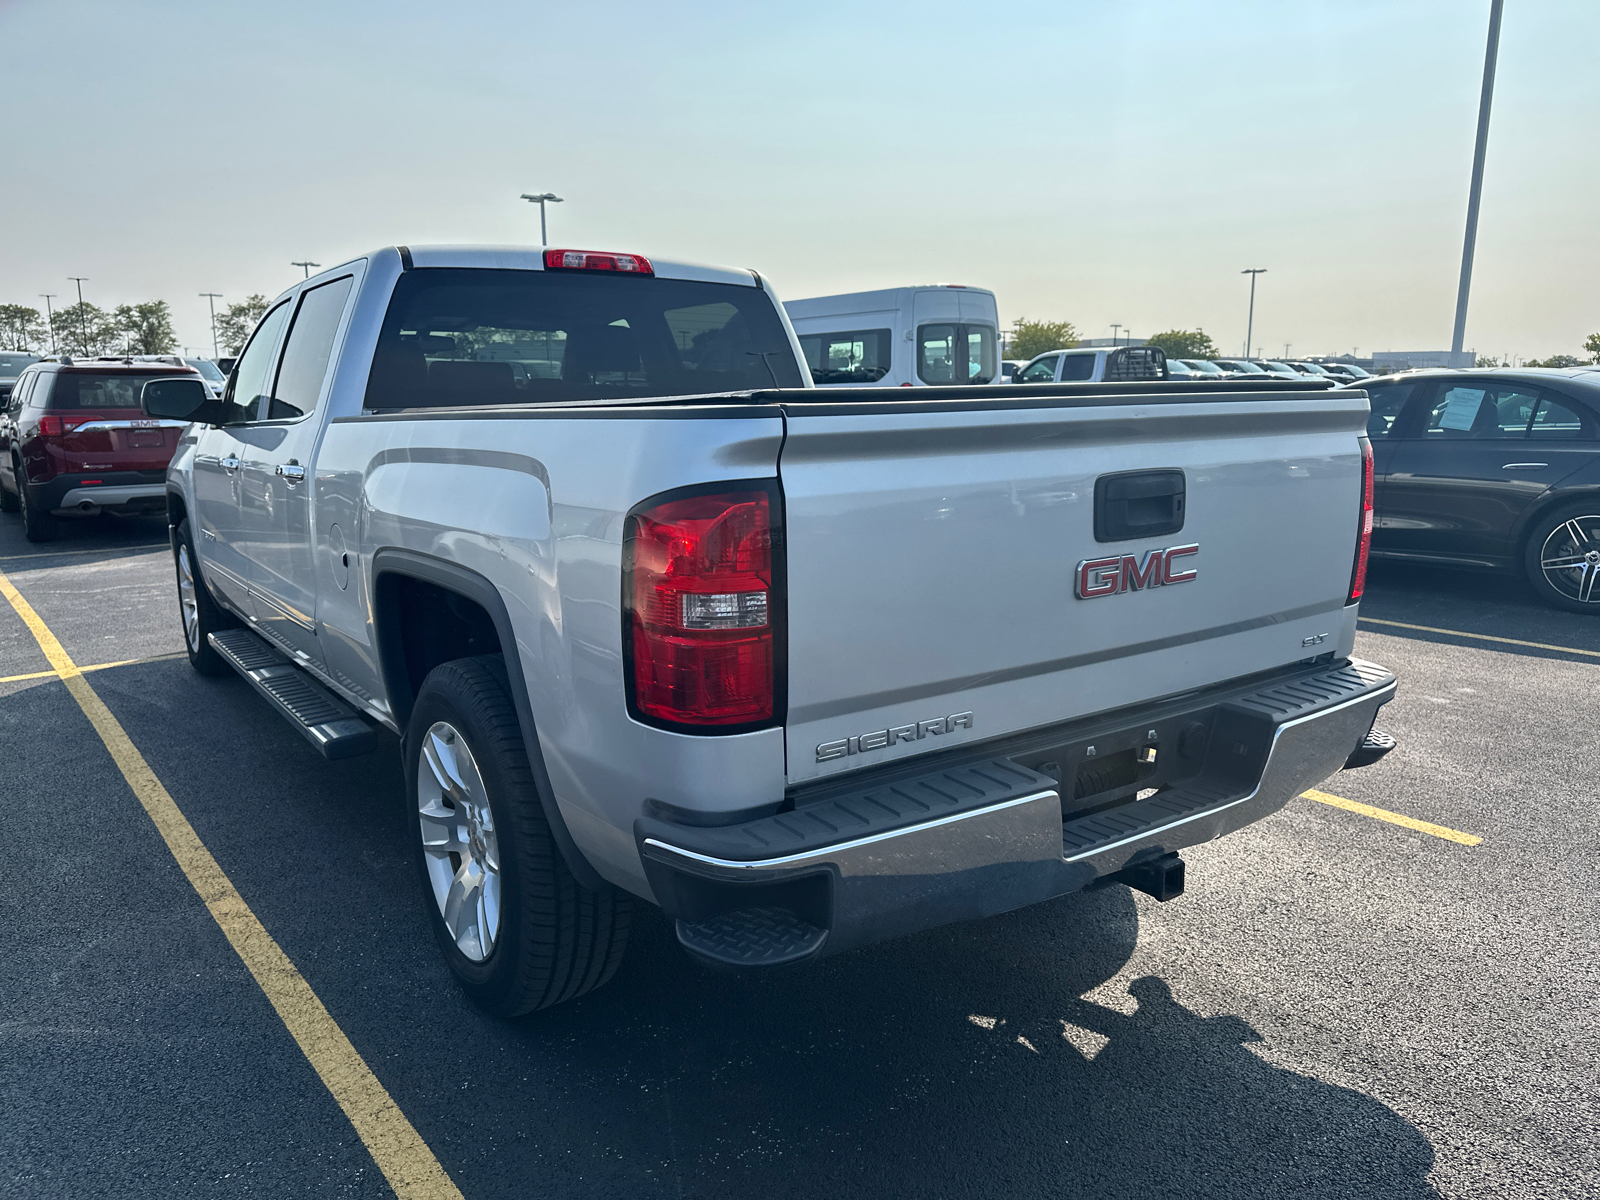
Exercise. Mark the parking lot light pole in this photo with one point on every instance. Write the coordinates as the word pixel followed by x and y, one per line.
pixel 212 298
pixel 306 266
pixel 541 199
pixel 83 324
pixel 49 319
pixel 1250 325
pixel 1476 192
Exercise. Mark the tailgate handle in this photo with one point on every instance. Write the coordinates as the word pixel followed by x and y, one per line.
pixel 1138 504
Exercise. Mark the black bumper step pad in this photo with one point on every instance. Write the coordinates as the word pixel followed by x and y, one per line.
pixel 324 720
pixel 751 937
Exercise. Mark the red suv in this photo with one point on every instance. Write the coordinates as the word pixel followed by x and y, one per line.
pixel 74 442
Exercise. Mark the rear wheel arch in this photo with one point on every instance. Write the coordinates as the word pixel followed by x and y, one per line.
pixel 407 585
pixel 1542 507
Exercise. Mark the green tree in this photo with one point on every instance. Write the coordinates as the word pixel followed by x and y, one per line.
pixel 86 329
pixel 1186 343
pixel 1555 360
pixel 1592 345
pixel 1035 337
pixel 148 327
pixel 235 323
pixel 20 327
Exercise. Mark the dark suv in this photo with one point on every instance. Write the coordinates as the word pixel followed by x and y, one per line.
pixel 74 442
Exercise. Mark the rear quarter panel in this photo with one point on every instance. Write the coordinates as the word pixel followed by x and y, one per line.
pixel 535 503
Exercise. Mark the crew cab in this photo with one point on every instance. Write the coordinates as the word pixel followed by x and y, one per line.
pixel 74 442
pixel 1091 364
pixel 653 619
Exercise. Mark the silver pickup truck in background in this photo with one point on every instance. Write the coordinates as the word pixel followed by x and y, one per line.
pixel 653 618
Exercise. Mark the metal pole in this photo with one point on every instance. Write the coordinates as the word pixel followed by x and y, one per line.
pixel 1250 325
pixel 83 324
pixel 307 266
pixel 49 319
pixel 544 234
pixel 211 299
pixel 1476 193
pixel 1114 328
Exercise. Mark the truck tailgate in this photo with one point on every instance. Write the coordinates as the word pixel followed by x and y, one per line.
pixel 933 549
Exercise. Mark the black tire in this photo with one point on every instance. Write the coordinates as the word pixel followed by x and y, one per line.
pixel 209 617
pixel 1569 535
pixel 556 939
pixel 8 498
pixel 37 524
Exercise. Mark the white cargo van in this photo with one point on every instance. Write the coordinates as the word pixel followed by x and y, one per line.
pixel 906 337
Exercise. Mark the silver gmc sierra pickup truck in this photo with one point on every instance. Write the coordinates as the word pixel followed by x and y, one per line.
pixel 653 618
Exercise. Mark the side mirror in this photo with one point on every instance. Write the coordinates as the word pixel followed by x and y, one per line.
pixel 180 400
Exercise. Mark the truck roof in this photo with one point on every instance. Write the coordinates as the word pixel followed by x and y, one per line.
pixel 531 258
pixel 880 298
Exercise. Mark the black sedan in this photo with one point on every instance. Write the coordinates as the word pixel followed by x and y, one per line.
pixel 1492 468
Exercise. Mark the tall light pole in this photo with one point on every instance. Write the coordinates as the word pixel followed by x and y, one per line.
pixel 1476 194
pixel 211 298
pixel 307 266
pixel 1114 328
pixel 1250 325
pixel 49 319
pixel 541 199
pixel 83 322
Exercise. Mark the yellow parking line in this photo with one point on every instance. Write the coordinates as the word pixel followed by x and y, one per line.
pixel 1482 637
pixel 127 662
pixel 397 1148
pixel 1383 814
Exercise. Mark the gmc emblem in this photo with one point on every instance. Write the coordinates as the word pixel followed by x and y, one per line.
pixel 1110 576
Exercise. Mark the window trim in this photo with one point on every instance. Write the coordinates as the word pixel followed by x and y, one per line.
pixel 299 301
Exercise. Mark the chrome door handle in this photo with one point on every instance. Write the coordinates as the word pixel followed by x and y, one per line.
pixel 1524 466
pixel 231 463
pixel 292 472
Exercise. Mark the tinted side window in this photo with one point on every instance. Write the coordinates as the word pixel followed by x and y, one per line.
pixel 1461 412
pixel 1043 371
pixel 305 357
pixel 1387 401
pixel 253 368
pixel 1077 367
pixel 859 356
pixel 1554 419
pixel 955 354
pixel 19 395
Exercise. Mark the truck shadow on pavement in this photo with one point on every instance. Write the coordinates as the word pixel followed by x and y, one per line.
pixel 987 1059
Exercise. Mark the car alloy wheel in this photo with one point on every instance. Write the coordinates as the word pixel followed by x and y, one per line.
pixel 1570 559
pixel 459 845
pixel 188 601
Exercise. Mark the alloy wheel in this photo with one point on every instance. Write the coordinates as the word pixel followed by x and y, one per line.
pixel 1570 559
pixel 188 601
pixel 459 845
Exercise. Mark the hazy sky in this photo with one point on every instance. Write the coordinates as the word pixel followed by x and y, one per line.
pixel 1097 162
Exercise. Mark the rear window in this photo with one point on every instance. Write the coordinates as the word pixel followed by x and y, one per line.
pixel 84 389
pixel 12 365
pixel 1136 362
pixel 1077 367
pixel 859 356
pixel 462 336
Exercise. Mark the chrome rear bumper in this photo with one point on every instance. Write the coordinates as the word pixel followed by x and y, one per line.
pixel 987 836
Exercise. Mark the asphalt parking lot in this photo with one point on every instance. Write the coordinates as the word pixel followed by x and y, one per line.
pixel 1339 1006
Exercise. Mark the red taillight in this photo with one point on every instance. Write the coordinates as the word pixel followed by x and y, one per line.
pixel 54 427
pixel 589 260
pixel 1358 576
pixel 700 610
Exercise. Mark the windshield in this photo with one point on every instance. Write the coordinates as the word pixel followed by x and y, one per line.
pixel 476 336
pixel 1278 368
pixel 207 368
pixel 1249 368
pixel 1201 367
